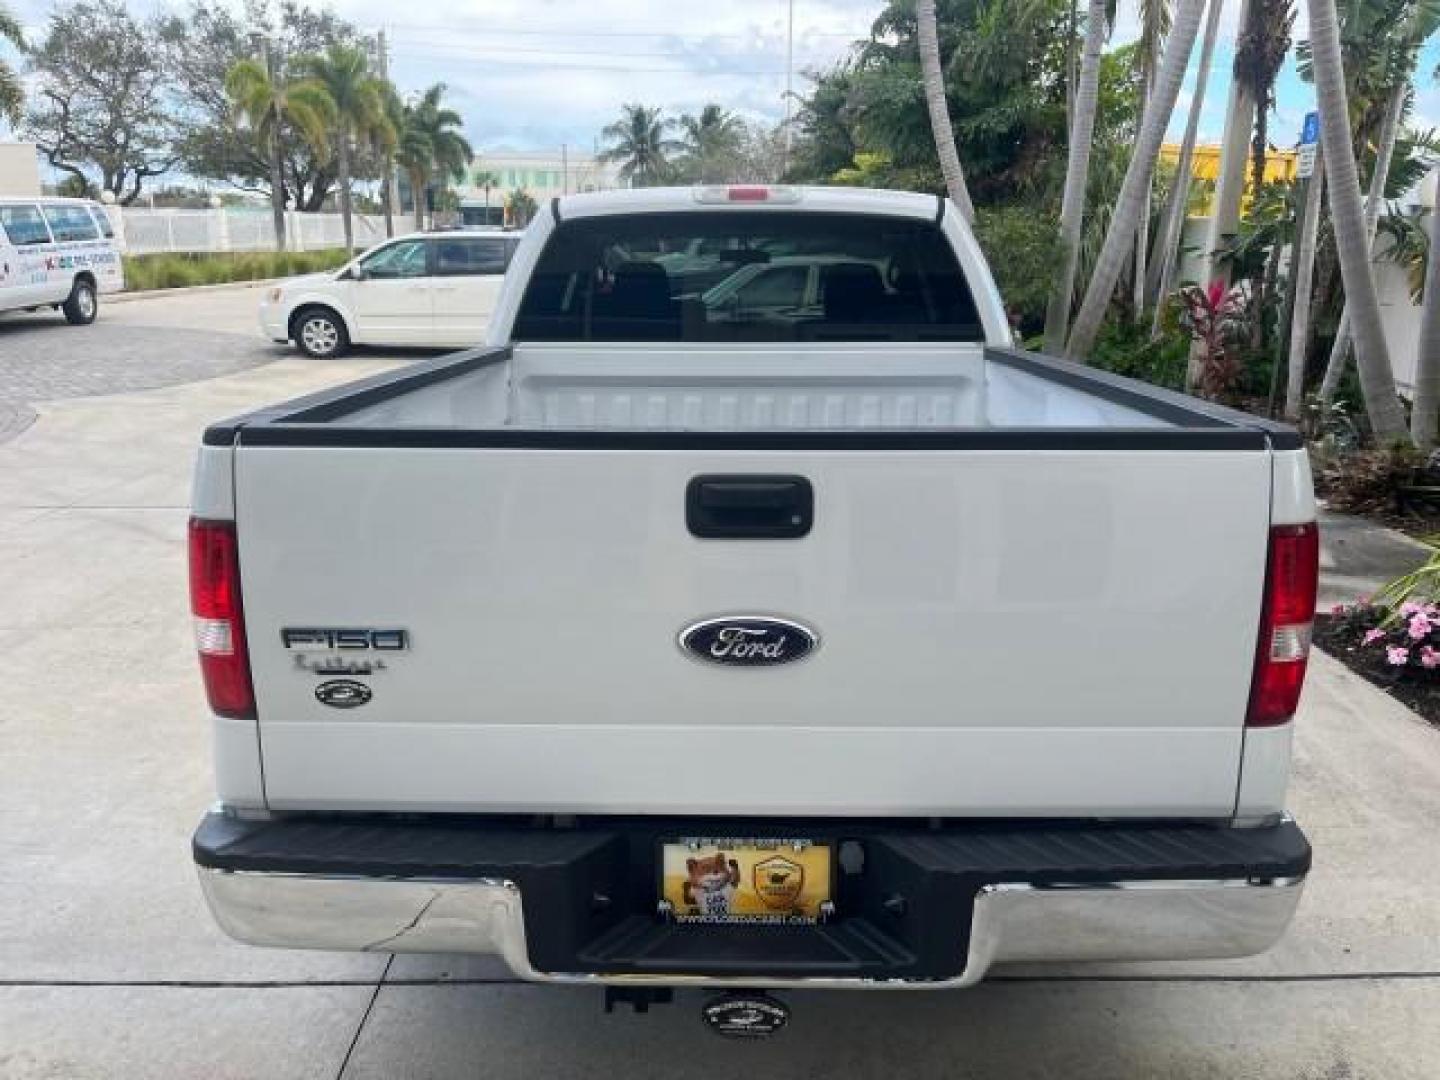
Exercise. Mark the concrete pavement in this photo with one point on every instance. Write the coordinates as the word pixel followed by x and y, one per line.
pixel 110 967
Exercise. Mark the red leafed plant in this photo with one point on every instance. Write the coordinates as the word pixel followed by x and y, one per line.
pixel 1216 318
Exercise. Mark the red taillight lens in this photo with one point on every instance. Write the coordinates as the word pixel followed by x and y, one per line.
pixel 219 621
pixel 1285 623
pixel 747 193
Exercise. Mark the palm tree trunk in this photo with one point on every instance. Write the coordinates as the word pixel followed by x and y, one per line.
pixel 1372 354
pixel 1230 184
pixel 1423 415
pixel 1167 244
pixel 417 196
pixel 1142 224
pixel 934 80
pixel 1302 281
pixel 1384 154
pixel 1077 172
pixel 1121 233
pixel 342 164
pixel 387 194
pixel 277 187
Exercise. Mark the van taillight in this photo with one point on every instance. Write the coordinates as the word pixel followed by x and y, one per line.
pixel 219 621
pixel 1285 624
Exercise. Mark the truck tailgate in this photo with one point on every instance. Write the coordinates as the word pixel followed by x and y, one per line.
pixel 1002 632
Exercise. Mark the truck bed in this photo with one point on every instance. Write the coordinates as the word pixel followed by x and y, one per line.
pixel 918 388
pixel 990 569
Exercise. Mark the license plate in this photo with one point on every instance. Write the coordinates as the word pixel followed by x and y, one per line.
pixel 725 880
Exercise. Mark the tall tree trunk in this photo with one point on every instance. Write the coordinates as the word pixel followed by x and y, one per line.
pixel 277 186
pixel 1167 244
pixel 342 162
pixel 1077 173
pixel 1423 414
pixel 1372 355
pixel 1301 281
pixel 1121 233
pixel 1142 224
pixel 387 194
pixel 1384 154
pixel 417 196
pixel 1072 18
pixel 1230 184
pixel 934 79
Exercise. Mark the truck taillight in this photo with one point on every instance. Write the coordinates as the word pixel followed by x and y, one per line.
pixel 1285 623
pixel 219 621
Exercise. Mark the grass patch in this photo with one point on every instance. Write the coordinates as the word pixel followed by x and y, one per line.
pixel 177 271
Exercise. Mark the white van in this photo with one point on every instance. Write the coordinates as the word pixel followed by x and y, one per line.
pixel 58 253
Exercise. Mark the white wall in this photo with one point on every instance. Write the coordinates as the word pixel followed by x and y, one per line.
pixel 19 169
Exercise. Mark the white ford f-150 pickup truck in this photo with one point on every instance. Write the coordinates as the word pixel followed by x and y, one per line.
pixel 796 631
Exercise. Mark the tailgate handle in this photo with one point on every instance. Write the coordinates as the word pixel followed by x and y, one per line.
pixel 749 506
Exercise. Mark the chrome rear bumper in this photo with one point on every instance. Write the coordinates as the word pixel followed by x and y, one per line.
pixel 1128 920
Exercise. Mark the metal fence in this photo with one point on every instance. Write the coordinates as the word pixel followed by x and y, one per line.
pixel 229 229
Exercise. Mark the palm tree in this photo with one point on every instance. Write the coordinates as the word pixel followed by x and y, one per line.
pixel 1423 413
pixel 359 113
pixel 430 148
pixel 932 74
pixel 1301 278
pixel 395 116
pixel 711 143
pixel 487 179
pixel 1230 183
pixel 1121 234
pixel 1372 355
pixel 270 104
pixel 639 143
pixel 12 90
pixel 1390 57
pixel 1384 154
pixel 1077 174
pixel 1167 244
pixel 1154 25
pixel 1260 50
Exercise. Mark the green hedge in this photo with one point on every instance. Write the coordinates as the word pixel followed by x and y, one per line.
pixel 174 271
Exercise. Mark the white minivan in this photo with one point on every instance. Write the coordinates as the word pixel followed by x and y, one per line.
pixel 58 253
pixel 427 289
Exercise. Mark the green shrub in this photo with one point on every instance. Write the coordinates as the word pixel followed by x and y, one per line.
pixel 181 270
pixel 1127 349
pixel 1022 246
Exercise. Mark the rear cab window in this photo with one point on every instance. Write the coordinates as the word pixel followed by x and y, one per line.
pixel 738 276
pixel 23 224
pixel 69 223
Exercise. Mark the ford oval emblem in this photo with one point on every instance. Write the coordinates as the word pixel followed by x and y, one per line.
pixel 748 641
pixel 343 693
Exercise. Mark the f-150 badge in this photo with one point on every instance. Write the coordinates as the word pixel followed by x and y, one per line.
pixel 748 641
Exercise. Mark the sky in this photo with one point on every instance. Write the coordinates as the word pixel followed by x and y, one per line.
pixel 536 74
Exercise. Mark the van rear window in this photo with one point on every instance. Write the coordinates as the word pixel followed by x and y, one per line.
pixel 735 276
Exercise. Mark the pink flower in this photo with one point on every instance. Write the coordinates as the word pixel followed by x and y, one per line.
pixel 1372 635
pixel 1419 626
pixel 1429 658
pixel 1396 655
pixel 1409 607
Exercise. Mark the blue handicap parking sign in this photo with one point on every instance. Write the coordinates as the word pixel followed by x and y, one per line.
pixel 1310 130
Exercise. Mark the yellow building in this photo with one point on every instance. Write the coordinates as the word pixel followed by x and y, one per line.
pixel 1280 166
